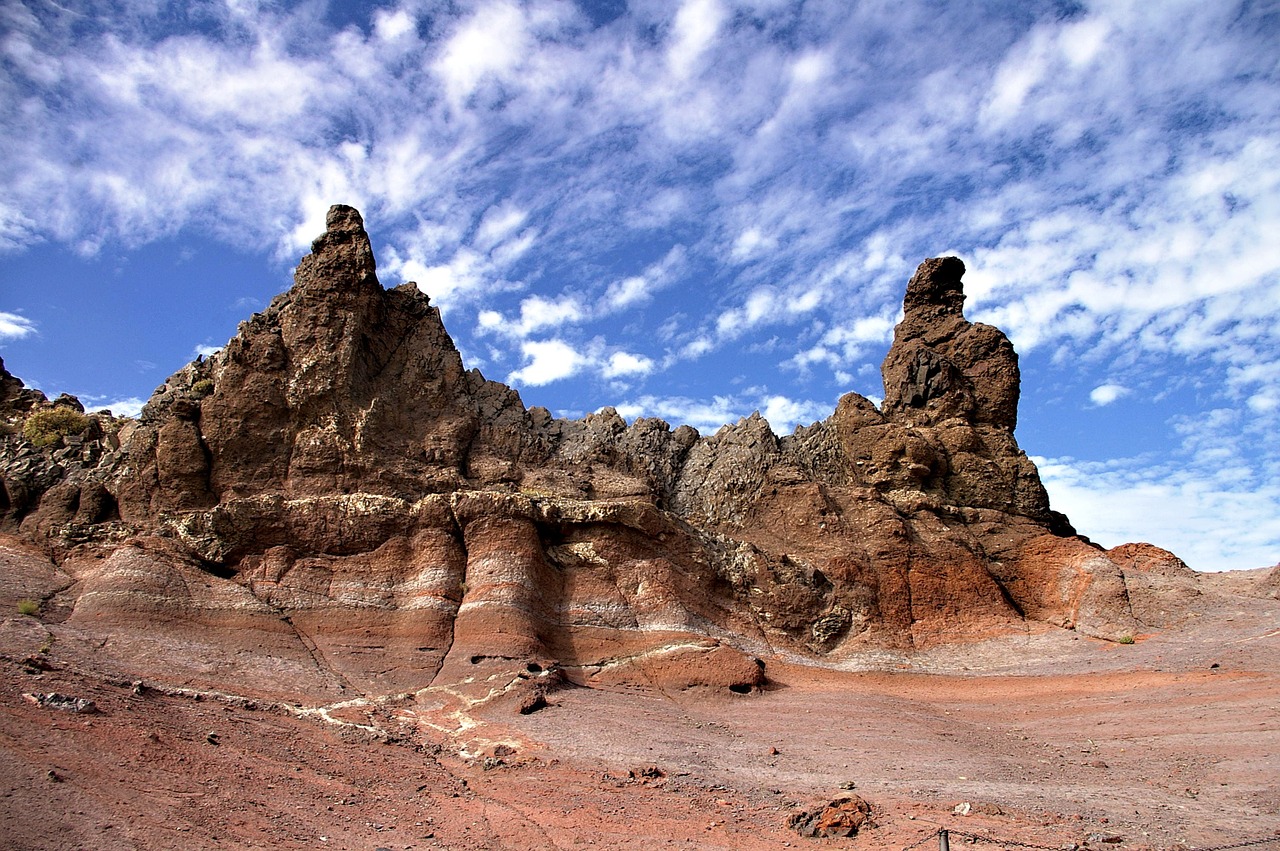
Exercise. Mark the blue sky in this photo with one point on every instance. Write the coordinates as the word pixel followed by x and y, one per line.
pixel 691 208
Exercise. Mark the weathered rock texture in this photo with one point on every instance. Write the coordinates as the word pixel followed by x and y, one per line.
pixel 336 481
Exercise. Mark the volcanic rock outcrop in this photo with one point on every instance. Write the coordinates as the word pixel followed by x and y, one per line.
pixel 335 484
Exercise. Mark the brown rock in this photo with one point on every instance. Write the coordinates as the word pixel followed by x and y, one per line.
pixel 1158 583
pixel 1270 584
pixel 942 366
pixel 1147 558
pixel 842 817
pixel 334 485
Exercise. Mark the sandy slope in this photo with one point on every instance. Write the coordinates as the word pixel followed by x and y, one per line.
pixel 1050 738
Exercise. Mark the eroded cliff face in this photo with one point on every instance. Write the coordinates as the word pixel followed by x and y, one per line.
pixel 336 476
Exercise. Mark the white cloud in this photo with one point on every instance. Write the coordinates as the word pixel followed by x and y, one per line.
pixel 15 326
pixel 767 306
pixel 513 249
pixel 844 345
pixel 548 361
pixel 1105 394
pixel 751 242
pixel 16 229
pixel 490 44
pixel 785 414
pixel 759 306
pixel 392 25
pixel 1081 42
pixel 696 348
pixel 1024 68
pixel 626 363
pixel 705 416
pixel 708 416
pixel 1266 401
pixel 205 351
pixel 639 289
pixel 1181 510
pixel 127 407
pixel 693 32
pixel 536 314
pixel 1110 177
pixel 465 275
pixel 539 313
pixel 625 293
pixel 499 222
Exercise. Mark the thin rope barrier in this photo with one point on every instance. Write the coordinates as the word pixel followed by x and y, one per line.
pixel 974 837
pixel 920 842
pixel 1251 843
pixel 977 838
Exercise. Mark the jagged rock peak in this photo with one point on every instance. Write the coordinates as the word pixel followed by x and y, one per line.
pixel 936 287
pixel 342 256
pixel 942 366
pixel 10 385
pixel 336 465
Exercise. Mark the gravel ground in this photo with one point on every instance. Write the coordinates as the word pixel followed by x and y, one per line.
pixel 1047 739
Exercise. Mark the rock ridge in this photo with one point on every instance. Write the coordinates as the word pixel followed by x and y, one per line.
pixel 336 470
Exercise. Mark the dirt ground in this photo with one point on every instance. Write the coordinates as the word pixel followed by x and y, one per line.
pixel 1048 740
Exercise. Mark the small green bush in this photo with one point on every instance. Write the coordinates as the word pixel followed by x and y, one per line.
pixel 202 388
pixel 49 426
pixel 1125 639
pixel 28 607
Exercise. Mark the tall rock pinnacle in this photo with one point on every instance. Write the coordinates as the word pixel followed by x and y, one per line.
pixel 944 367
pixel 342 256
pixel 935 290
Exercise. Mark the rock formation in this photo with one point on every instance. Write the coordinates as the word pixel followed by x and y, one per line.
pixel 336 483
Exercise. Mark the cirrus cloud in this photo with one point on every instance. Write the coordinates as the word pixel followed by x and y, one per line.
pixel 717 194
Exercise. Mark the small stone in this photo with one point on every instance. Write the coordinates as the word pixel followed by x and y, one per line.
pixel 533 702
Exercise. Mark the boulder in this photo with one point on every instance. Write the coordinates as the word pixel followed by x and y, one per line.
pixel 840 818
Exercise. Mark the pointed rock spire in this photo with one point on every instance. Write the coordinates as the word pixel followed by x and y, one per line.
pixel 944 367
pixel 341 258
pixel 935 289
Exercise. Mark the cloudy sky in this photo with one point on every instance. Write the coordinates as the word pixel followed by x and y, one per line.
pixel 691 208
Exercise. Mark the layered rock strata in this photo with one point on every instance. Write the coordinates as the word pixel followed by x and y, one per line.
pixel 335 478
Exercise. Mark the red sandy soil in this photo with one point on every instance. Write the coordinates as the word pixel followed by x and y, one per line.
pixel 1051 739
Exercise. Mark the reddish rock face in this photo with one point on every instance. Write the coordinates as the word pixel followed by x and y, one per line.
pixel 335 469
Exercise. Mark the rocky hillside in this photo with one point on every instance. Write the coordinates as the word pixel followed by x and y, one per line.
pixel 336 484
